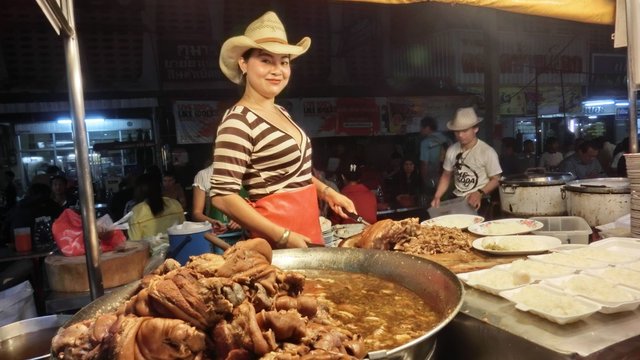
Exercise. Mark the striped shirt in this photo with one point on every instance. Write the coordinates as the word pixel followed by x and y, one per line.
pixel 251 152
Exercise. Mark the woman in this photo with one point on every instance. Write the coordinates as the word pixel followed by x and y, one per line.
pixel 199 211
pixel 258 145
pixel 155 213
pixel 363 198
pixel 407 184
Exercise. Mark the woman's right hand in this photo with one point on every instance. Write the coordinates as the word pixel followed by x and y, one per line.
pixel 435 202
pixel 297 241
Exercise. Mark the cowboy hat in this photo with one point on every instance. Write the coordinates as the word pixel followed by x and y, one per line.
pixel 267 33
pixel 465 118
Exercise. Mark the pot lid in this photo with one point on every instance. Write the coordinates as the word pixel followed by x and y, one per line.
pixel 538 178
pixel 600 185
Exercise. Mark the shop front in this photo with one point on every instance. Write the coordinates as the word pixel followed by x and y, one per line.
pixel 44 144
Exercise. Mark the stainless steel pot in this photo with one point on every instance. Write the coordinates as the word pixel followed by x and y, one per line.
pixel 30 338
pixel 435 284
pixel 599 201
pixel 534 193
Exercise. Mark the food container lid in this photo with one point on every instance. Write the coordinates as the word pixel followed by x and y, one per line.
pixel 537 178
pixel 189 227
pixel 600 186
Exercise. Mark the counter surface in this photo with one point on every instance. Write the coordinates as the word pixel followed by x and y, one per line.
pixel 580 339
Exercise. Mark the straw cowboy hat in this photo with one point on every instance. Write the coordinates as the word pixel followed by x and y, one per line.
pixel 465 118
pixel 267 33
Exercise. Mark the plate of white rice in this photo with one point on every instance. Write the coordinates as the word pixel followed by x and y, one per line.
pixel 551 304
pixel 494 280
pixel 612 297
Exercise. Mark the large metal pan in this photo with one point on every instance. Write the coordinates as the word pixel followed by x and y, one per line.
pixel 432 282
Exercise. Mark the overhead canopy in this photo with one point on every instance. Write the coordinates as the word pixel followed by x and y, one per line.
pixel 588 11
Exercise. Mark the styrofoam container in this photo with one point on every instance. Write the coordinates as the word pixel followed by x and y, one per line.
pixel 627 299
pixel 584 307
pixel 566 259
pixel 494 280
pixel 569 229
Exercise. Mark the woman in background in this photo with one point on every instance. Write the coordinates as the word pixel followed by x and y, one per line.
pixel 362 197
pixel 155 213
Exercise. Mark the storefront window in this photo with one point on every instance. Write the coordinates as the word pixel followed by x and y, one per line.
pixel 51 143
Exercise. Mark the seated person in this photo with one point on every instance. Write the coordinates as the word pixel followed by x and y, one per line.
pixel 509 161
pixel 202 210
pixel 528 155
pixel 584 163
pixel 406 186
pixel 363 199
pixel 172 189
pixel 60 192
pixel 154 213
pixel 551 158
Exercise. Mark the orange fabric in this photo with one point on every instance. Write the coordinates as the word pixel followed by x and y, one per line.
pixel 296 210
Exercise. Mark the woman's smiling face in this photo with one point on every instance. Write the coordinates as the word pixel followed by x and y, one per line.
pixel 266 73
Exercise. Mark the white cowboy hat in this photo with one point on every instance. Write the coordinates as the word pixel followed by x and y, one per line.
pixel 267 33
pixel 465 118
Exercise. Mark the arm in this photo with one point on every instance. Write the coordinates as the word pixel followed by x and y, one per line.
pixel 336 201
pixel 197 207
pixel 217 241
pixel 244 214
pixel 443 185
pixel 475 198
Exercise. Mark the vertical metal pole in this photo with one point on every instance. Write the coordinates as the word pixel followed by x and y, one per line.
pixel 632 42
pixel 76 101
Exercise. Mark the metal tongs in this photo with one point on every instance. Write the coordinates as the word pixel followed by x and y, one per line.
pixel 357 218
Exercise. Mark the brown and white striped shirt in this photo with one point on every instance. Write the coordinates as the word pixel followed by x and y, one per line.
pixel 251 152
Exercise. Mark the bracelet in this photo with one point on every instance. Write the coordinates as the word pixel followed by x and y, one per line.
pixel 481 192
pixel 284 239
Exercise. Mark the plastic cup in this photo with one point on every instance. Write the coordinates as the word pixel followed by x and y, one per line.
pixel 22 239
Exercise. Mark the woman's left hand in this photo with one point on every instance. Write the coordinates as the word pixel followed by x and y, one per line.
pixel 337 202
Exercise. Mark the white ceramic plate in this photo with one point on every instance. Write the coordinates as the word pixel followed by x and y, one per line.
pixel 516 244
pixel 458 221
pixel 344 231
pixel 613 298
pixel 506 227
pixel 552 298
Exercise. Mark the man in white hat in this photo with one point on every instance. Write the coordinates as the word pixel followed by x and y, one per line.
pixel 474 165
pixel 259 146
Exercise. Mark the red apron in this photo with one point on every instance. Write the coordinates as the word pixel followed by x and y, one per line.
pixel 296 210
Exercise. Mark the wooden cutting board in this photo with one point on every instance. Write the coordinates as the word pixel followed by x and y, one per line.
pixel 69 273
pixel 456 262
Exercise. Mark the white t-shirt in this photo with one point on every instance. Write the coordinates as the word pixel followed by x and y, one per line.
pixel 203 179
pixel 473 169
pixel 549 160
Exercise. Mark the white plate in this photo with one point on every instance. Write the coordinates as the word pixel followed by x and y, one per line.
pixel 545 300
pixel 344 231
pixel 587 285
pixel 566 259
pixel 633 265
pixel 506 227
pixel 458 221
pixel 494 280
pixel 516 244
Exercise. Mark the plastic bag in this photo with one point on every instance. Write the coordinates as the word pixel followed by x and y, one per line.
pixel 68 234
pixel 16 303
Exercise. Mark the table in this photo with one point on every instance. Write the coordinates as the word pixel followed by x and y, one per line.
pixel 37 257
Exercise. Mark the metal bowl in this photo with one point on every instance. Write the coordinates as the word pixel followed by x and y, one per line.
pixel 30 338
pixel 432 282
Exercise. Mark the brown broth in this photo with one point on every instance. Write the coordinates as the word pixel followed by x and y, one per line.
pixel 27 346
pixel 386 314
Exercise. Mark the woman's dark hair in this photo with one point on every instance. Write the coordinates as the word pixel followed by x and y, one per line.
pixel 352 172
pixel 150 190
